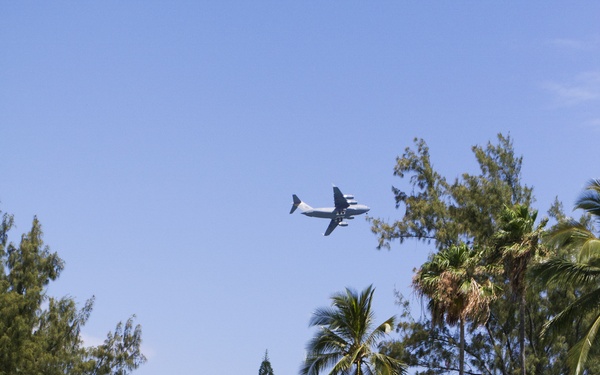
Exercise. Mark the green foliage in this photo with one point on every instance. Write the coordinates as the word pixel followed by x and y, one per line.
pixel 490 348
pixel 578 266
pixel 455 283
pixel 429 348
pixel 447 213
pixel 491 211
pixel 265 366
pixel 346 338
pixel 41 334
pixel 120 353
pixel 457 288
pixel 517 243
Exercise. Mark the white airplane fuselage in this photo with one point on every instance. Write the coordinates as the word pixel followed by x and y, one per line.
pixel 333 213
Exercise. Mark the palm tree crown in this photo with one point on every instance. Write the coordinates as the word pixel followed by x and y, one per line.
pixel 449 280
pixel 452 281
pixel 518 240
pixel 582 271
pixel 346 340
pixel 518 244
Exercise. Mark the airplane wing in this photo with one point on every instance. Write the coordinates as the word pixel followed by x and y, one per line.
pixel 340 202
pixel 332 225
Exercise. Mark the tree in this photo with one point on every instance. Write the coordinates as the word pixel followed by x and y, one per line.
pixel 449 213
pixel 265 366
pixel 41 334
pixel 518 243
pixel 467 209
pixel 580 235
pixel 346 338
pixel 581 270
pixel 450 281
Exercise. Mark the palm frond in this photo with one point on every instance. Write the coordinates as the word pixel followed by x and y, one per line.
pixel 385 365
pixel 380 332
pixel 327 341
pixel 345 339
pixel 322 316
pixel 589 200
pixel 559 270
pixel 316 363
pixel 342 366
pixel 449 281
pixel 568 233
pixel 582 271
pixel 579 353
pixel 587 303
pixel 589 250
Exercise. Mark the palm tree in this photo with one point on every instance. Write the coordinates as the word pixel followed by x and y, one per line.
pixel 518 244
pixel 450 281
pixel 579 235
pixel 582 271
pixel 346 339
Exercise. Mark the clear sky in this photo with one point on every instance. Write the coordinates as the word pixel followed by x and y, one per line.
pixel 159 143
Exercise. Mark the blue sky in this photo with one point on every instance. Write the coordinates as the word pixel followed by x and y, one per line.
pixel 159 144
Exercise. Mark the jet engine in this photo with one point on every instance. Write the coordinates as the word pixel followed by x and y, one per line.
pixel 350 199
pixel 343 224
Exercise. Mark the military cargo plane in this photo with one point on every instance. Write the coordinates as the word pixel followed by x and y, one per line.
pixel 345 208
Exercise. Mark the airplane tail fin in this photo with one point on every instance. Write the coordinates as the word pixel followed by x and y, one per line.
pixel 298 203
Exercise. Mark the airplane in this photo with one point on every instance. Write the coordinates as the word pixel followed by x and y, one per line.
pixel 345 208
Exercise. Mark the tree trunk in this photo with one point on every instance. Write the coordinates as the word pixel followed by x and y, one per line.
pixel 461 355
pixel 522 332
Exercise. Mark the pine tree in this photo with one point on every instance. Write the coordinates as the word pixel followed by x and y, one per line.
pixel 265 366
pixel 40 334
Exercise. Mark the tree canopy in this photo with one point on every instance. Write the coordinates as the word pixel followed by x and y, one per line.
pixel 347 338
pixel 578 266
pixel 490 211
pixel 464 210
pixel 40 334
pixel 452 283
pixel 265 366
